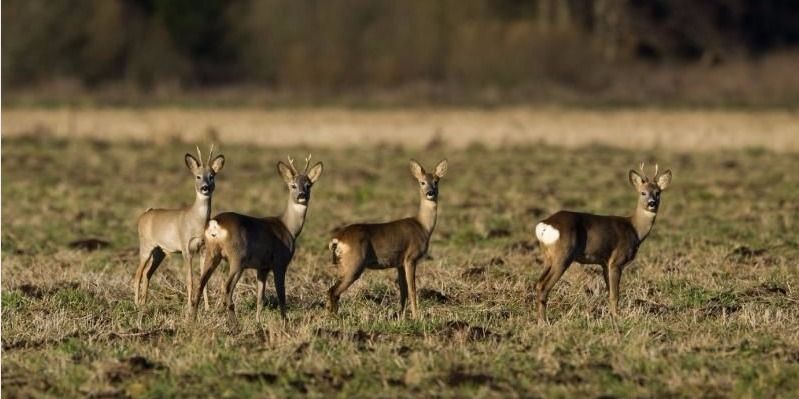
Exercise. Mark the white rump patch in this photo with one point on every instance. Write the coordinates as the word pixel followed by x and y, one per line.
pixel 546 233
pixel 214 231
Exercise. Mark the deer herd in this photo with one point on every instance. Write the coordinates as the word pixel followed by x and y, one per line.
pixel 267 244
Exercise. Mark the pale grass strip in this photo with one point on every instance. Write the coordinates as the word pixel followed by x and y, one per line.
pixel 678 130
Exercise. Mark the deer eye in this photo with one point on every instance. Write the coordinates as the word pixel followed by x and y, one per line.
pixel 198 177
pixel 643 193
pixel 422 183
pixel 293 186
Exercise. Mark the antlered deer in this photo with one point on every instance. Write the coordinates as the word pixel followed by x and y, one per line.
pixel 609 241
pixel 163 231
pixel 264 244
pixel 399 244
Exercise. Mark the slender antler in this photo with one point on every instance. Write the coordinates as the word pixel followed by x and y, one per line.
pixel 643 172
pixel 307 163
pixel 656 172
pixel 210 154
pixel 291 165
pixel 199 155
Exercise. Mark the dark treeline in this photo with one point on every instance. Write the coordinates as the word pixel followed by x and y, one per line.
pixel 330 45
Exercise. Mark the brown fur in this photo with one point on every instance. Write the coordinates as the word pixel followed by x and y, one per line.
pixel 609 241
pixel 263 244
pixel 398 244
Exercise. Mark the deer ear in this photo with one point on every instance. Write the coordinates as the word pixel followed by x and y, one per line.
pixel 635 179
pixel 191 162
pixel 664 179
pixel 417 170
pixel 315 172
pixel 218 163
pixel 441 168
pixel 285 172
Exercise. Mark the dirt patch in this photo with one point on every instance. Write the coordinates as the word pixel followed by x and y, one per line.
pixel 652 308
pixel 403 350
pixel 38 292
pixel 460 328
pixel 37 344
pixel 480 269
pixel 123 369
pixel 300 351
pixel 473 272
pixel 459 377
pixel 324 377
pixel 143 335
pixel 497 233
pixel 255 376
pixel 360 338
pixel 719 306
pixel 427 294
pixel 89 244
pixel 766 290
pixel 752 256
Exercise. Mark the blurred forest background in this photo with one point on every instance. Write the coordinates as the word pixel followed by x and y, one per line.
pixel 711 52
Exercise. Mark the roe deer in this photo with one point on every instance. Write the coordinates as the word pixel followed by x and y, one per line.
pixel 609 241
pixel 163 231
pixel 399 244
pixel 263 244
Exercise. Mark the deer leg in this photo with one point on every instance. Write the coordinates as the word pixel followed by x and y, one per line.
pixel 188 257
pixel 349 272
pixel 205 287
pixel 144 257
pixel 209 266
pixel 552 276
pixel 613 295
pixel 403 288
pixel 280 289
pixel 539 288
pixel 158 256
pixel 233 278
pixel 410 278
pixel 605 277
pixel 259 296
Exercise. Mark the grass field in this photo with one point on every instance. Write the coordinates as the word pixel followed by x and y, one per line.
pixel 708 309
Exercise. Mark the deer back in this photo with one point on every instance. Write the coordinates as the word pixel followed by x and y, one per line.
pixel 257 241
pixel 386 244
pixel 592 239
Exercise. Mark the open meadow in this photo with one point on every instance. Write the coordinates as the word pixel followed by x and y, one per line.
pixel 709 308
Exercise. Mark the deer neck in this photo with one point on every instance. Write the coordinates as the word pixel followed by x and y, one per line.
pixel 642 220
pixel 428 211
pixel 202 206
pixel 293 217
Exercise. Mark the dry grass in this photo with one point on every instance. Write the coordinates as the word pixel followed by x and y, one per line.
pixel 677 130
pixel 709 307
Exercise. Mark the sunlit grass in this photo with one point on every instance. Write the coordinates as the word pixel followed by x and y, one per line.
pixel 708 308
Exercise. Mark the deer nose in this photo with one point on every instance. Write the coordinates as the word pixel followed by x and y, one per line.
pixel 205 188
pixel 652 203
